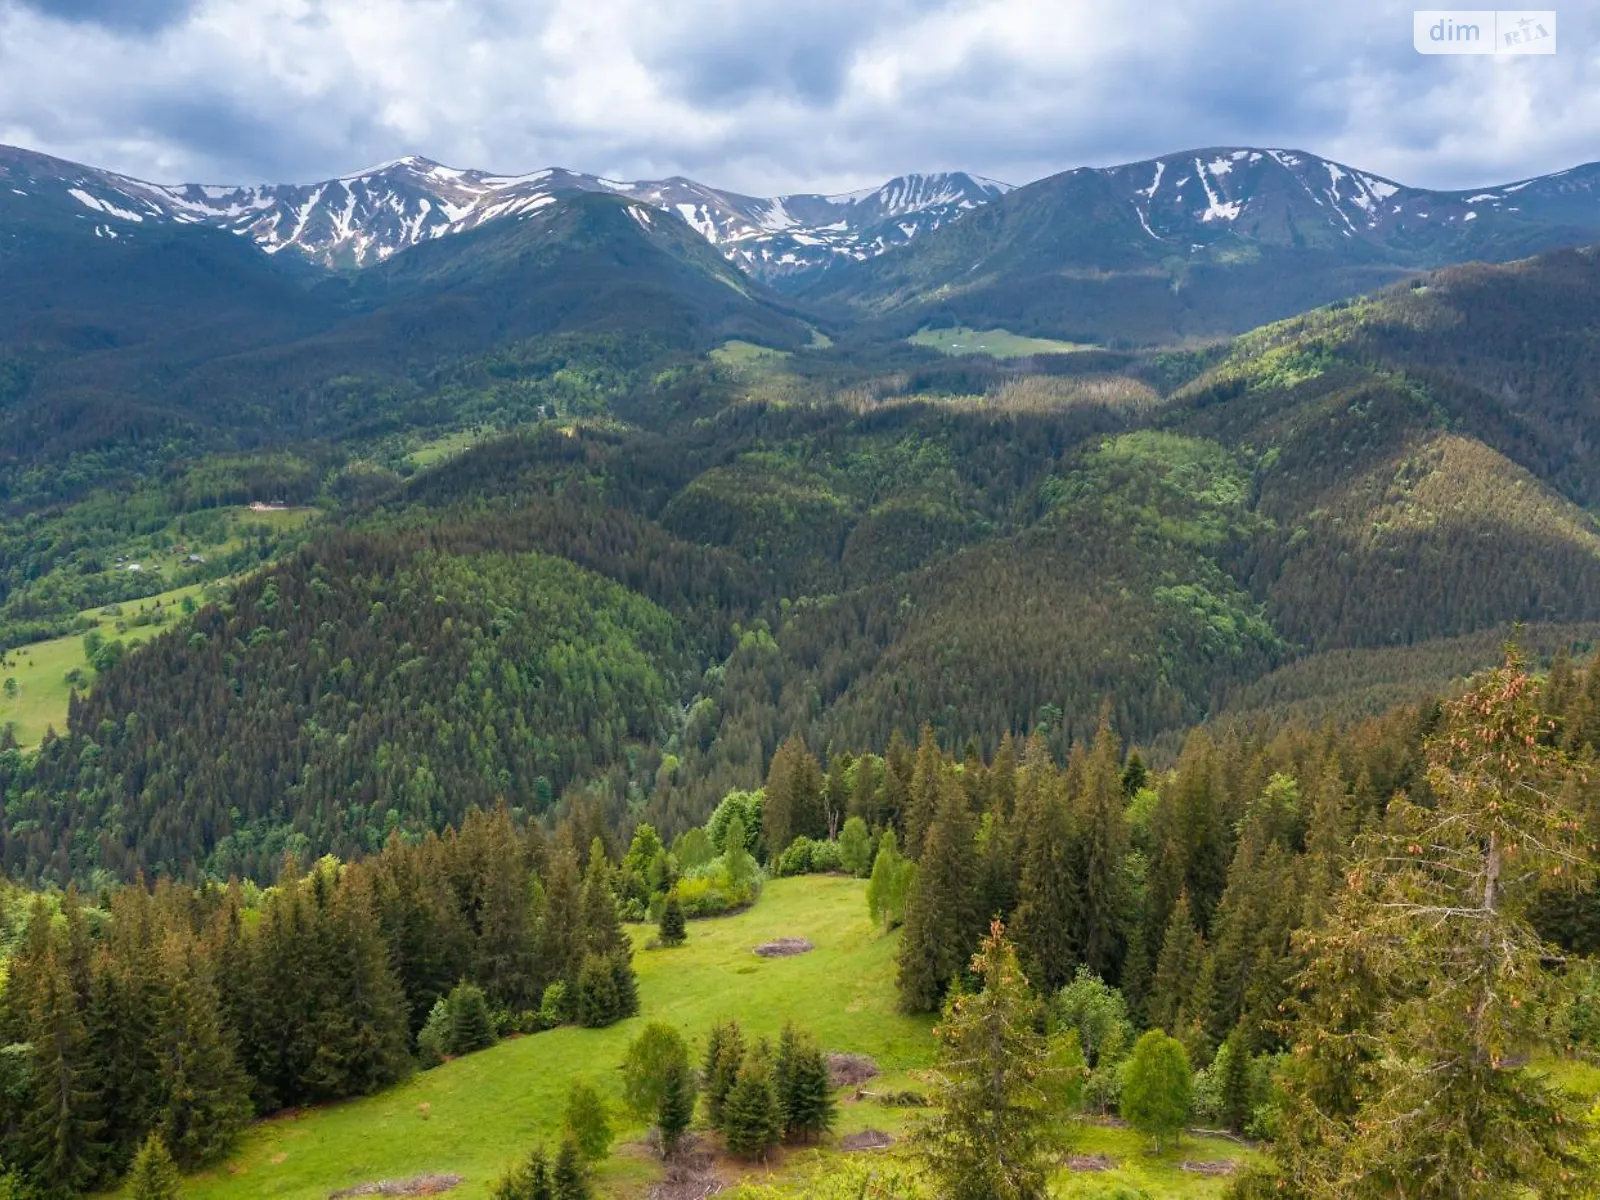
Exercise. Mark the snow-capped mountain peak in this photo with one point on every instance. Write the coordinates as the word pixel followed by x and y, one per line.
pixel 358 219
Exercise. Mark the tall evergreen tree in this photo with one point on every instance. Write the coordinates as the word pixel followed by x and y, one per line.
pixel 725 1052
pixel 675 1110
pixel 752 1122
pixel 1103 833
pixel 999 1107
pixel 1178 971
pixel 63 1118
pixel 205 1094
pixel 925 792
pixel 942 920
pixel 1049 917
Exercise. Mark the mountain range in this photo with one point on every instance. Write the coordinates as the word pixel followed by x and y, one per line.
pixel 1198 244
pixel 362 219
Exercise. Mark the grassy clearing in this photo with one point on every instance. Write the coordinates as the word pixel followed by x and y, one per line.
pixel 747 356
pixel 478 1115
pixel 40 670
pixel 997 343
pixel 437 450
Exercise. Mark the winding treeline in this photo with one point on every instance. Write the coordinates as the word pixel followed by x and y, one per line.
pixel 182 1012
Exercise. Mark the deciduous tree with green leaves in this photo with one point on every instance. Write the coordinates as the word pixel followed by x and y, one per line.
pixel 1158 1087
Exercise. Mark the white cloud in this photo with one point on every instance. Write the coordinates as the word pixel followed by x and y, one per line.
pixel 768 95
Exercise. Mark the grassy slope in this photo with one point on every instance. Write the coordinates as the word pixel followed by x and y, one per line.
pixel 997 343
pixel 478 1115
pixel 41 669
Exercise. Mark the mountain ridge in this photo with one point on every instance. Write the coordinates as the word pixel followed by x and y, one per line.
pixel 358 220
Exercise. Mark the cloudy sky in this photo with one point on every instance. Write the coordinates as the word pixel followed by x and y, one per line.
pixel 775 95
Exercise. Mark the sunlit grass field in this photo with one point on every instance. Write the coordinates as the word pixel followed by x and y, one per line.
pixel 478 1115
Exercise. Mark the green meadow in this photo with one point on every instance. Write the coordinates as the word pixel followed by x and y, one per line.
pixel 478 1115
pixel 996 343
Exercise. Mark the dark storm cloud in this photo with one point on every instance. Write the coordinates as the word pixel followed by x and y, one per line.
pixel 764 96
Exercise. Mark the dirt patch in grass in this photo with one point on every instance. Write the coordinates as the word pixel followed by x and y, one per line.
pixel 1091 1162
pixel 786 947
pixel 867 1139
pixel 691 1174
pixel 1216 1167
pixel 417 1185
pixel 850 1070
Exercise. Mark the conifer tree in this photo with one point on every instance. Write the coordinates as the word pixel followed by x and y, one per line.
pixel 675 1110
pixel 597 1002
pixel 1429 971
pixel 924 793
pixel 561 937
pixel 530 1180
pixel 1177 970
pixel 751 1120
pixel 570 1179
pixel 505 949
pixel 1049 906
pixel 1236 1101
pixel 154 1176
pixel 673 930
pixel 999 1104
pixel 942 920
pixel 793 805
pixel 724 1056
pixel 1103 833
pixel 63 1117
pixel 205 1095
pixel 602 926
pixel 471 1026
pixel 804 1088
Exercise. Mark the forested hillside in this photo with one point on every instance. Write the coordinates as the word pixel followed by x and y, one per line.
pixel 634 609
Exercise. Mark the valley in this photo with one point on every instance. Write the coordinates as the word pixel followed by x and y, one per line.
pixel 1079 610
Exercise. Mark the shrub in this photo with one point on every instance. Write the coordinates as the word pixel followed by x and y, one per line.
pixel 586 1121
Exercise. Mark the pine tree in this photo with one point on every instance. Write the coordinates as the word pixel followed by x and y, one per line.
pixel 675 1111
pixel 625 984
pixel 561 931
pixel 505 949
pixel 154 1176
pixel 673 930
pixel 942 920
pixel 602 926
pixel 724 1057
pixel 999 1102
pixel 924 793
pixel 1236 1100
pixel 751 1121
pixel 471 1026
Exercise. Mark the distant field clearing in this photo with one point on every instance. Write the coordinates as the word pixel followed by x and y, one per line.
pixel 997 343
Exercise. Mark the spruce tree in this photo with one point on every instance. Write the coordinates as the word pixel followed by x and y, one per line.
pixel 154 1176
pixel 62 1119
pixel 751 1121
pixel 673 930
pixel 675 1110
pixel 1236 1101
pixel 924 793
pixel 561 929
pixel 570 1179
pixel 205 1094
pixel 1177 970
pixel 804 1088
pixel 724 1056
pixel 471 1026
pixel 1103 835
pixel 1048 919
pixel 942 920
pixel 530 1180
pixel 625 984
pixel 999 1105
pixel 597 993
